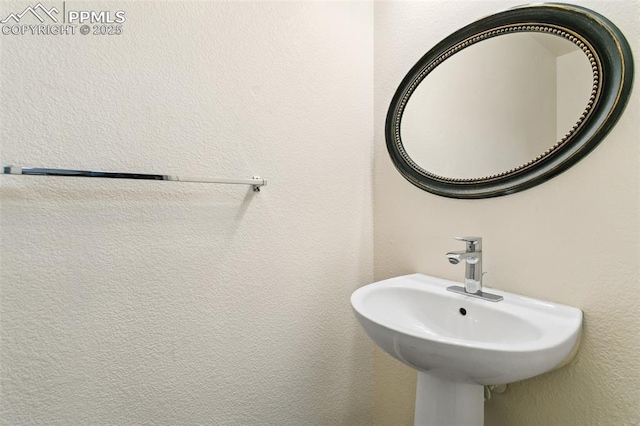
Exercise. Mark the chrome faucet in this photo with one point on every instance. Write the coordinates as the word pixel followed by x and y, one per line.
pixel 472 257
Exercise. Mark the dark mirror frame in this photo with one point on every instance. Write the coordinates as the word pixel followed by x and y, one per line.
pixel 612 66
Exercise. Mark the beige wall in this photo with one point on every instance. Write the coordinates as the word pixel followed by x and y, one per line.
pixel 167 303
pixel 573 240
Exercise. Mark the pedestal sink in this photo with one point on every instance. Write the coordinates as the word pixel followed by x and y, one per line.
pixel 458 343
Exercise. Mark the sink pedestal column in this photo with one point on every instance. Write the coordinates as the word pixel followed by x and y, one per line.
pixel 441 402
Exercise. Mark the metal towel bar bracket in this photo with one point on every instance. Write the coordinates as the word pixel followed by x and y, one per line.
pixel 256 182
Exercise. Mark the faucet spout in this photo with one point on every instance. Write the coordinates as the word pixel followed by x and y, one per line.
pixel 472 257
pixel 455 257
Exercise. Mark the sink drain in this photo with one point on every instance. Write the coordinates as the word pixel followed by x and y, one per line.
pixel 463 311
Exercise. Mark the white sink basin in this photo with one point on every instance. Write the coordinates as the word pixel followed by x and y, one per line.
pixel 416 320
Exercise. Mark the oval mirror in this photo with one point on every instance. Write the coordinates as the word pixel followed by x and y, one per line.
pixel 509 101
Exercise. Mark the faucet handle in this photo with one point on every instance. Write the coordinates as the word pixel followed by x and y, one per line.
pixel 473 243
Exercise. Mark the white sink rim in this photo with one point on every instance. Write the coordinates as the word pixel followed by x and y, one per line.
pixel 569 319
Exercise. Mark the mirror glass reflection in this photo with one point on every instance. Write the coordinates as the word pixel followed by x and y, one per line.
pixel 496 105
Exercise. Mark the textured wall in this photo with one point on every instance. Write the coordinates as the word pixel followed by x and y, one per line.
pixel 168 303
pixel 572 240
